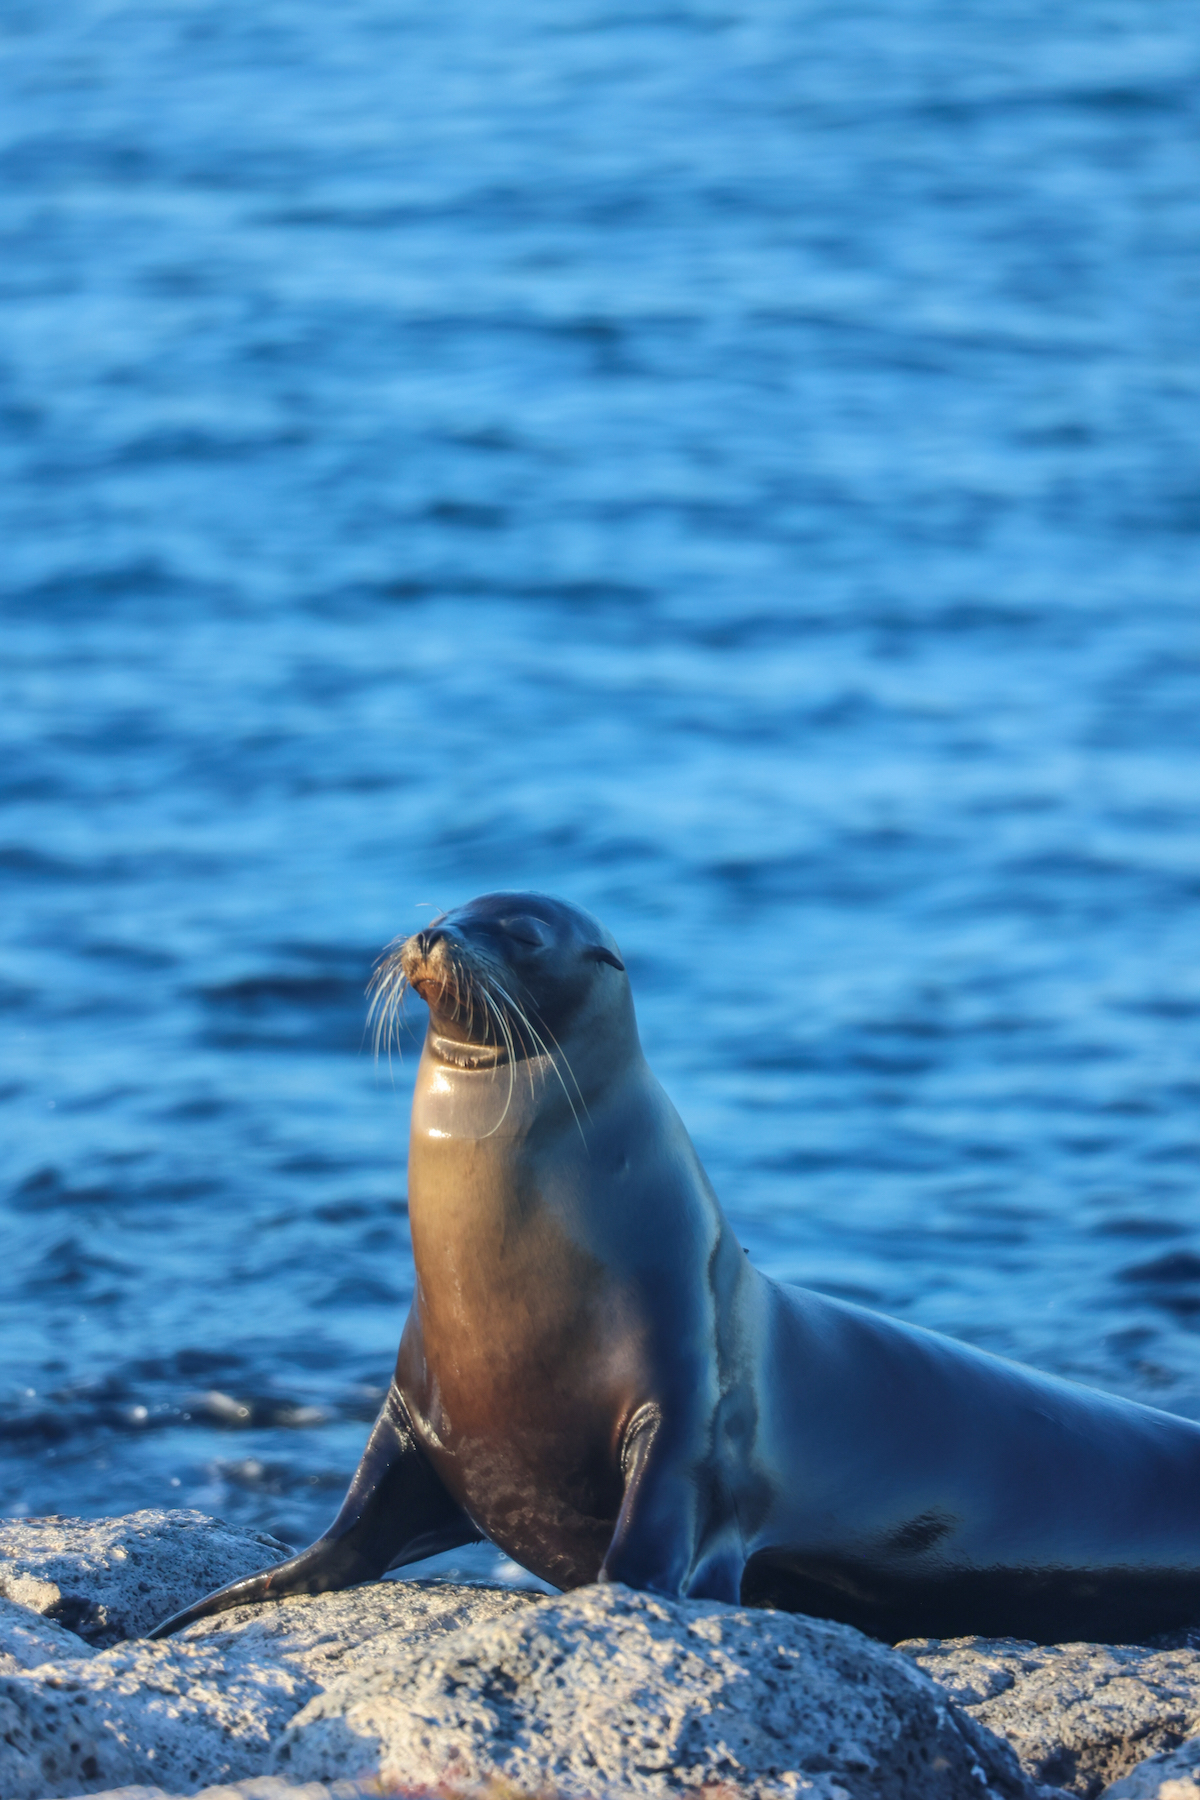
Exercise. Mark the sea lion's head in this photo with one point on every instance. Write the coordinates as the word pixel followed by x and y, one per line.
pixel 507 977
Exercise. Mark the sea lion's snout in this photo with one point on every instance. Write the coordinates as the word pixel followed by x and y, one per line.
pixel 455 980
pixel 429 966
pixel 417 951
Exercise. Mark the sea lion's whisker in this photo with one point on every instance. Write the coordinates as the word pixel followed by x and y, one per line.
pixel 512 1071
pixel 513 1034
pixel 523 1018
pixel 566 1063
pixel 550 1056
pixel 558 1052
pixel 386 988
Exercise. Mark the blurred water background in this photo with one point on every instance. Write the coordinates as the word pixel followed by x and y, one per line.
pixel 735 466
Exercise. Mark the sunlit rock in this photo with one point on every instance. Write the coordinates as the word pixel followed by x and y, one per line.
pixel 1079 1716
pixel 111 1579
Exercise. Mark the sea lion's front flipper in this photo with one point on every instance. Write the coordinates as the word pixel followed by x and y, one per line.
pixel 396 1511
pixel 676 1532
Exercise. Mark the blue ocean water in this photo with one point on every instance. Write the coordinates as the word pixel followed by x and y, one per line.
pixel 737 467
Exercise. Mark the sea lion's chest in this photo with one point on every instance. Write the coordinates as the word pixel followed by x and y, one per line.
pixel 511 1308
pixel 522 1359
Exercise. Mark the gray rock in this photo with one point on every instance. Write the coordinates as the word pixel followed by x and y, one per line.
pixel 1175 1776
pixel 262 1787
pixel 324 1636
pixel 27 1639
pixel 208 1705
pixel 598 1691
pixel 142 1793
pixel 608 1691
pixel 178 1714
pixel 1079 1716
pixel 111 1579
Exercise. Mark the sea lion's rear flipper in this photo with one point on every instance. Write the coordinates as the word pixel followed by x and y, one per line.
pixel 396 1511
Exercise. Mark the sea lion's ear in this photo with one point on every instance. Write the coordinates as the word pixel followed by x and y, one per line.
pixel 601 953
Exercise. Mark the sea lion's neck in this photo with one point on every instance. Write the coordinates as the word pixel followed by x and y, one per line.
pixel 500 1148
pixel 474 1096
pixel 498 1171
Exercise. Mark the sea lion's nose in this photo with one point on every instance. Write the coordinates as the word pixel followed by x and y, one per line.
pixel 424 941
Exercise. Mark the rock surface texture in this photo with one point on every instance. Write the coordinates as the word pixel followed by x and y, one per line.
pixel 607 1690
pixel 424 1686
pixel 111 1579
pixel 1079 1716
pixel 1175 1776
pixel 209 1705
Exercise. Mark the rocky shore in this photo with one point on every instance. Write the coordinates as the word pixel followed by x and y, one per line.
pixel 427 1687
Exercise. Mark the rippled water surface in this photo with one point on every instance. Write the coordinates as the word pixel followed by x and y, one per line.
pixel 735 467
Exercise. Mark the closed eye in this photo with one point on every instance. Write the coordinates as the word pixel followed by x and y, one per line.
pixel 527 931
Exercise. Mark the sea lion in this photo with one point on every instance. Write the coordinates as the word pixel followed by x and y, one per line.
pixel 594 1377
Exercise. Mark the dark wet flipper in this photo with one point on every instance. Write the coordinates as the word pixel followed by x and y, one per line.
pixel 396 1511
pixel 324 1566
